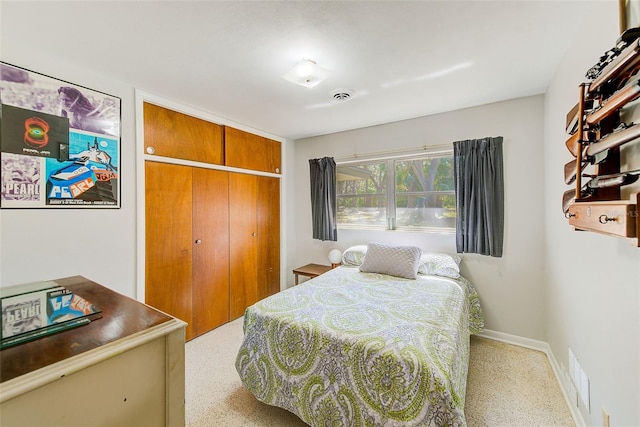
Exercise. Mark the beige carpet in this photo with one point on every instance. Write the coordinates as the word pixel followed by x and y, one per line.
pixel 507 386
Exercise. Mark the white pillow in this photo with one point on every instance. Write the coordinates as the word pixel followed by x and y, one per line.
pixel 399 261
pixel 354 255
pixel 440 264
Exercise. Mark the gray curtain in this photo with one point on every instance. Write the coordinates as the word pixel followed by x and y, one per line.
pixel 323 198
pixel 479 184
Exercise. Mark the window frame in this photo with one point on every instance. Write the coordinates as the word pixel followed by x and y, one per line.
pixel 391 195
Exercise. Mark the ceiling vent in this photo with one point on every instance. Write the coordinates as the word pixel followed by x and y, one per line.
pixel 342 95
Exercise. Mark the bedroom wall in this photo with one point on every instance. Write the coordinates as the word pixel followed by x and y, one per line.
pixel 41 244
pixel 593 281
pixel 38 244
pixel 511 287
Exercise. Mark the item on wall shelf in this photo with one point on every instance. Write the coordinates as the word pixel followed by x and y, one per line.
pixel 628 93
pixel 603 181
pixel 60 143
pixel 40 309
pixel 617 70
pixel 598 134
pixel 625 39
pixel 596 152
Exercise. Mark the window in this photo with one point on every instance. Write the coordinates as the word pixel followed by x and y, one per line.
pixel 408 193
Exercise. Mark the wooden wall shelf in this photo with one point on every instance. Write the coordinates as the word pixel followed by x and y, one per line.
pixel 619 218
pixel 597 134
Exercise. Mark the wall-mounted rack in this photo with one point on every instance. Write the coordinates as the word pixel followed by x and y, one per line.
pixel 597 132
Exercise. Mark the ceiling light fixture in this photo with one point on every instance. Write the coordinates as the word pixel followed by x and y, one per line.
pixel 306 73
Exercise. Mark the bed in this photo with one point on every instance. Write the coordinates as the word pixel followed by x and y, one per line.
pixel 353 348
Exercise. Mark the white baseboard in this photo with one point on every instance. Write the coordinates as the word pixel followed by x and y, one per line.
pixel 546 349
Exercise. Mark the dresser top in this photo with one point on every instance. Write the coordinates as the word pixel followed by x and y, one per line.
pixel 121 317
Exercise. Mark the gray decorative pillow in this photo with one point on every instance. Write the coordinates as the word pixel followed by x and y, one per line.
pixel 440 264
pixel 399 261
pixel 354 255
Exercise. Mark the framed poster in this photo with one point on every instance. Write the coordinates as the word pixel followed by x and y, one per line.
pixel 59 143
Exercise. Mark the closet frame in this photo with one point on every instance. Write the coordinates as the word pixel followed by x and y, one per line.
pixel 258 278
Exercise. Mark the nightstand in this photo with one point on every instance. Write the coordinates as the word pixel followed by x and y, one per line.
pixel 310 270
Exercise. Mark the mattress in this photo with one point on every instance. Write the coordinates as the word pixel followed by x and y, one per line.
pixel 363 349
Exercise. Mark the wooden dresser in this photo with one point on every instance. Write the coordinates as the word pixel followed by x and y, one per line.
pixel 123 369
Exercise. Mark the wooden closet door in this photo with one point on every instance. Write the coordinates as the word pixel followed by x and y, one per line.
pixel 243 243
pixel 171 134
pixel 210 249
pixel 248 151
pixel 168 248
pixel 268 205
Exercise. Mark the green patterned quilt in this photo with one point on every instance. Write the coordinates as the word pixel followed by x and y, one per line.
pixel 363 349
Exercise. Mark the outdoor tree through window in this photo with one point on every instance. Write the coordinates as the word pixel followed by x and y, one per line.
pixel 410 193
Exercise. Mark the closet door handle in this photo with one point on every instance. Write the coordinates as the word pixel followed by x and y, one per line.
pixel 198 241
pixel 253 234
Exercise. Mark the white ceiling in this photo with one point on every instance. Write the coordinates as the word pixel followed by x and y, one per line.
pixel 401 59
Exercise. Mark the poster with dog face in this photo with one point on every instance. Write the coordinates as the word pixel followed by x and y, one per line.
pixel 59 143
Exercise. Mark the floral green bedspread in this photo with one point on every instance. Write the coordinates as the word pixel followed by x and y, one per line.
pixel 363 349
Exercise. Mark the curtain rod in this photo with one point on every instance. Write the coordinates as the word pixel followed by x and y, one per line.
pixel 430 149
